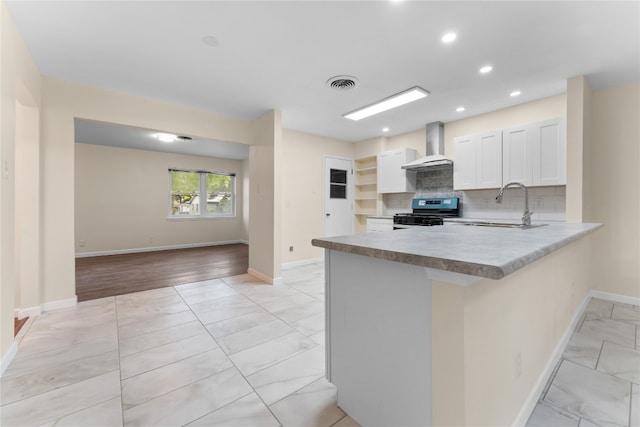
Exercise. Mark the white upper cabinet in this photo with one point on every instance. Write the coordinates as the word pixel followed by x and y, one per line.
pixel 478 161
pixel 391 177
pixel 535 154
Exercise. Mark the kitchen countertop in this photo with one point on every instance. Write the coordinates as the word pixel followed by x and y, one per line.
pixel 488 252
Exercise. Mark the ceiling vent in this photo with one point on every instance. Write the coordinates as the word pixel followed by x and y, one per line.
pixel 342 83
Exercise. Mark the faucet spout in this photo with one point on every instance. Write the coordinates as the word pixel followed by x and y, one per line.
pixel 526 214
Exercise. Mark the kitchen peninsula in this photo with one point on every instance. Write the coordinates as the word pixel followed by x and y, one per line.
pixel 449 325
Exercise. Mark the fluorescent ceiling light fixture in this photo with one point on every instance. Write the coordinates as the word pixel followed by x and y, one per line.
pixel 486 69
pixel 165 137
pixel 515 93
pixel 449 37
pixel 460 109
pixel 394 101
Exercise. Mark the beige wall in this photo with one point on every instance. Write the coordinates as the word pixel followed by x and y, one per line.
pixel 541 109
pixel 613 191
pixel 121 200
pixel 494 322
pixel 302 186
pixel 19 88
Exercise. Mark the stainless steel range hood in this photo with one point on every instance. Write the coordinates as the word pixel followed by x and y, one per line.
pixel 435 150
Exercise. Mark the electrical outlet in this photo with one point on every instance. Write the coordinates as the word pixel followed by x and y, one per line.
pixel 290 248
pixel 81 243
pixel 518 365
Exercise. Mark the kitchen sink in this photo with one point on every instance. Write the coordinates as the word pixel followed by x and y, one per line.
pixel 497 224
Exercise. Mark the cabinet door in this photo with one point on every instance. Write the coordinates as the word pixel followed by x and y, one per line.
pixel 549 153
pixel 489 158
pixel 464 162
pixel 517 155
pixel 391 177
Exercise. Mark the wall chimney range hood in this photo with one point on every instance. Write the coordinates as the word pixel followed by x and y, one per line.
pixel 435 150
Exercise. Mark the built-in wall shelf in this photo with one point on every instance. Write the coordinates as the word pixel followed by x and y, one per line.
pixel 367 199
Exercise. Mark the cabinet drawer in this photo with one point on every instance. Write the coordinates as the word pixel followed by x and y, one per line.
pixel 379 224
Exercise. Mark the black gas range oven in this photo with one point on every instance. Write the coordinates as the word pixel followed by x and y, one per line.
pixel 427 212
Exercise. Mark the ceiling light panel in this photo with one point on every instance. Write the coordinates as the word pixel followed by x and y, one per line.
pixel 486 69
pixel 394 101
pixel 449 37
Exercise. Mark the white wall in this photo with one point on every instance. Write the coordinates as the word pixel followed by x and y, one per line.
pixel 302 185
pixel 121 200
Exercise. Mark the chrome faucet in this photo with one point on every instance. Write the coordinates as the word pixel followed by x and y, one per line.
pixel 526 215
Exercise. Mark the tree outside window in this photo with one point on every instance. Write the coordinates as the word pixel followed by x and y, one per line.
pixel 201 194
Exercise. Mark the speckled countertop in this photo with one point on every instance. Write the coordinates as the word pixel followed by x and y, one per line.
pixel 488 252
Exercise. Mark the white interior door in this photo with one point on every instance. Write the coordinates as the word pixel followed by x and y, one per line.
pixel 338 196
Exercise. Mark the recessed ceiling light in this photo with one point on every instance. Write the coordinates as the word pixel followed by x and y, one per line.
pixel 165 137
pixel 449 37
pixel 393 101
pixel 460 109
pixel 486 69
pixel 210 41
pixel 515 93
pixel 385 129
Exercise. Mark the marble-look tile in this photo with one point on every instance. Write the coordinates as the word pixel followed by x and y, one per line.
pixel 259 357
pixel 583 349
pixel 347 422
pixel 18 387
pixel 312 406
pixel 185 289
pixel 545 416
pixel 155 324
pixel 287 301
pixel 50 359
pixel 148 341
pixel 206 293
pixel 621 362
pixel 151 384
pixel 599 308
pixel 300 311
pixel 635 406
pixel 58 403
pixel 250 337
pixel 267 295
pixel 191 402
pixel 244 412
pixel 105 414
pixel 243 279
pixel 626 313
pixel 233 301
pixel 155 295
pixel 590 394
pixel 609 330
pixel 279 380
pixel 311 325
pixel 169 353
pixel 240 323
pixel 149 311
pixel 46 340
pixel 586 423
pixel 320 338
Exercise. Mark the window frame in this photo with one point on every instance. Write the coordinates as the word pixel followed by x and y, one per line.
pixel 202 194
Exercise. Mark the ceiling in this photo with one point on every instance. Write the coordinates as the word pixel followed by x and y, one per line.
pixel 242 58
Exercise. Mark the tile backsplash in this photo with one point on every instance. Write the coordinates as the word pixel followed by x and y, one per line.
pixel 547 203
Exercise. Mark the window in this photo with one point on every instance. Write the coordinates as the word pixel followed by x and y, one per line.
pixel 338 184
pixel 188 190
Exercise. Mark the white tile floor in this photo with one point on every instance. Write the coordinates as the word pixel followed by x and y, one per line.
pixel 597 381
pixel 237 352
pixel 232 352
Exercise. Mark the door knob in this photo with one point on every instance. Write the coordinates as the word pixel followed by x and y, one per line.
pixel 327 214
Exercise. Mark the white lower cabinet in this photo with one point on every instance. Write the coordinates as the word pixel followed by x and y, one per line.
pixel 379 224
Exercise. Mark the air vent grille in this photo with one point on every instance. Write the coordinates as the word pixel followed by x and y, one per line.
pixel 342 83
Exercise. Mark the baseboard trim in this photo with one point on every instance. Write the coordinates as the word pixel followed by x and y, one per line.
pixel 531 402
pixel 158 248
pixel 60 304
pixel 7 358
pixel 614 297
pixel 294 264
pixel 28 312
pixel 270 280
